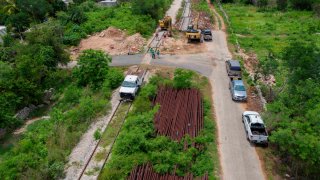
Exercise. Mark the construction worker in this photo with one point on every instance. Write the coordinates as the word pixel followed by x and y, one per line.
pixel 152 53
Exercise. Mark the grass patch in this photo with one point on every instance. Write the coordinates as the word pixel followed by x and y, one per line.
pixel 114 126
pixel 263 31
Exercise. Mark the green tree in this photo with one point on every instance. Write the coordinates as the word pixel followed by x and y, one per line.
pixel 92 69
pixel 50 34
pixel 115 78
pixel 155 8
pixel 19 22
pixel 182 78
pixel 76 15
pixel 37 10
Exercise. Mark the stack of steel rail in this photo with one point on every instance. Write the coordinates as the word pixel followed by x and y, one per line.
pixel 180 113
pixel 146 172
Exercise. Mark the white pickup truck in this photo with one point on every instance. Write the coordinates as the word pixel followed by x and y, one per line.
pixel 131 84
pixel 255 128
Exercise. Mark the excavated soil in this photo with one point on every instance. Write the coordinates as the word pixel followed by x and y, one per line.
pixel 180 45
pixel 113 41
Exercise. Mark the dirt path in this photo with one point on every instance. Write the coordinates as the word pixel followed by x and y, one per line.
pixel 219 22
pixel 27 123
pixel 175 6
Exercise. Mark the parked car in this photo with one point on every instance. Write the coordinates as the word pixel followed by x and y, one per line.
pixel 255 128
pixel 207 35
pixel 233 68
pixel 238 90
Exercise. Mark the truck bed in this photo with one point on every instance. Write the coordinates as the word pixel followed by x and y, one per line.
pixel 138 72
pixel 258 131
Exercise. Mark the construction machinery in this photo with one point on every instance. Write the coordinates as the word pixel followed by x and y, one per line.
pixel 193 33
pixel 166 23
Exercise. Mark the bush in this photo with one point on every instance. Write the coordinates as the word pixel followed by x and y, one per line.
pixel 92 69
pixel 182 79
pixel 106 89
pixel 76 15
pixel 97 134
pixel 115 78
pixel 71 97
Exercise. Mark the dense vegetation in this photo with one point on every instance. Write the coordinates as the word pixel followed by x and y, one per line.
pixel 29 68
pixel 281 4
pixel 262 32
pixel 288 45
pixel 138 143
pixel 43 149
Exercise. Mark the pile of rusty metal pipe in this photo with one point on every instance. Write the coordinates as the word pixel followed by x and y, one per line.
pixel 180 113
pixel 146 172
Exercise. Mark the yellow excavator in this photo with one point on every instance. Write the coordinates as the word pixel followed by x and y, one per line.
pixel 193 33
pixel 166 24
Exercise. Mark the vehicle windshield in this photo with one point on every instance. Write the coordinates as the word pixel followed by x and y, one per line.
pixel 239 88
pixel 128 84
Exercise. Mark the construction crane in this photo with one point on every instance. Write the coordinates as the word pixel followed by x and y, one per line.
pixel 193 33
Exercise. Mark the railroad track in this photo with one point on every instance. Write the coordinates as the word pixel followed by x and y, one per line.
pixel 156 41
pixel 113 117
pixel 96 147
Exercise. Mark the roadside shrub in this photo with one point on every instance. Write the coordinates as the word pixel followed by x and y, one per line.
pixel 92 69
pixel 115 77
pixel 148 91
pixel 71 97
pixel 97 134
pixel 88 6
pixel 106 89
pixel 182 79
pixel 76 15
pixel 72 36
pixel 86 109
